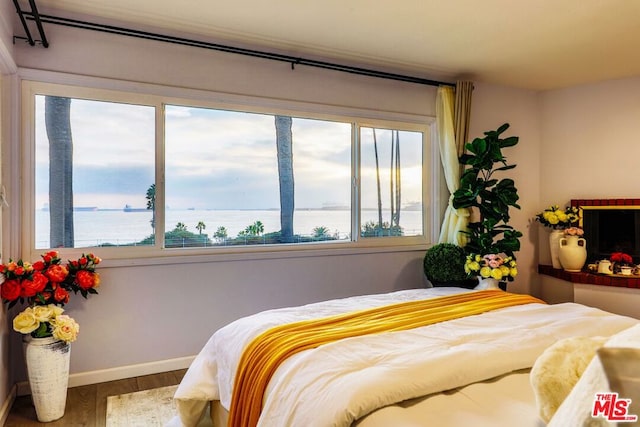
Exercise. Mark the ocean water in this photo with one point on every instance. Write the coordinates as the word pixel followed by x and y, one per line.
pixel 118 227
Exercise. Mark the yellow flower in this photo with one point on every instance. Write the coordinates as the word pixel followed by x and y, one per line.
pixel 46 313
pixel 513 272
pixel 504 270
pixel 496 273
pixel 485 271
pixel 26 321
pixel 65 328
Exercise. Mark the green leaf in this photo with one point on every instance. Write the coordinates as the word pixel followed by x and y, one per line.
pixel 502 128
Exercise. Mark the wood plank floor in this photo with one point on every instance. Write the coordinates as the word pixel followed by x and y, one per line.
pixel 87 405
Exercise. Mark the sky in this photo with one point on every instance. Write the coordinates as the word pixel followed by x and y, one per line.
pixel 216 159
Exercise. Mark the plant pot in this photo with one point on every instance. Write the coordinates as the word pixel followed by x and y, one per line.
pixel 554 248
pixel 487 283
pixel 47 361
pixel 572 252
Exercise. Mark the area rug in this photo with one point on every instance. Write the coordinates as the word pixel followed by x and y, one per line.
pixel 143 408
pixel 148 408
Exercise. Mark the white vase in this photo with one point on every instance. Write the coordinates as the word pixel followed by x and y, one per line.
pixel 47 361
pixel 487 283
pixel 573 252
pixel 554 238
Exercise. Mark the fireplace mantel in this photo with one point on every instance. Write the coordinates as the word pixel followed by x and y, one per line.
pixel 587 278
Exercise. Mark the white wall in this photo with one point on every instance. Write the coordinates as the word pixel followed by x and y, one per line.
pixel 7 63
pixel 591 151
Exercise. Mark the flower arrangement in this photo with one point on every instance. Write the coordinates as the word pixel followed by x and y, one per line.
pixel 491 265
pixel 574 231
pixel 620 259
pixel 558 219
pixel 46 285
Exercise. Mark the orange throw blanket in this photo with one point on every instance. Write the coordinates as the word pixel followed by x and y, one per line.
pixel 267 351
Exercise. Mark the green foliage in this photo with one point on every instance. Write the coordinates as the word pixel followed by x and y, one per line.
pixel 373 229
pixel 492 197
pixel 444 262
pixel 221 233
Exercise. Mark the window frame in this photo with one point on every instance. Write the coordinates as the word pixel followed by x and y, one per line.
pixel 159 96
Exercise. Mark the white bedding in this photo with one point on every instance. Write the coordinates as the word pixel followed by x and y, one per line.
pixel 341 382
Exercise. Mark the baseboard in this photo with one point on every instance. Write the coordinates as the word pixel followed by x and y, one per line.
pixel 7 404
pixel 121 372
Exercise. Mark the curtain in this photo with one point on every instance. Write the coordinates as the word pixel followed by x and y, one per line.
pixel 454 220
pixel 462 114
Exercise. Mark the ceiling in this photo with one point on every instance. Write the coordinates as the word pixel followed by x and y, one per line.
pixel 534 44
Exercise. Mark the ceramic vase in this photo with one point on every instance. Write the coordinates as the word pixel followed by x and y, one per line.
pixel 487 283
pixel 47 361
pixel 554 248
pixel 573 252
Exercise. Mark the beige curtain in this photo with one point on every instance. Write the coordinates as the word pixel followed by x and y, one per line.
pixel 462 114
pixel 454 220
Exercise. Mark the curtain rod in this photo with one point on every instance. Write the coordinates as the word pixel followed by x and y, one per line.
pixel 293 60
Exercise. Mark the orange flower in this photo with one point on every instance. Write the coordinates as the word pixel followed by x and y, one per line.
pixel 57 273
pixel 61 295
pixel 86 279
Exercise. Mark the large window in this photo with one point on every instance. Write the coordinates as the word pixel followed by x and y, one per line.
pixel 149 176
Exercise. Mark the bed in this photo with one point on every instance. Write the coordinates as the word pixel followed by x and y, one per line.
pixel 471 370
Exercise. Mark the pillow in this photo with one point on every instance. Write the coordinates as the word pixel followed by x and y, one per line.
pixel 558 369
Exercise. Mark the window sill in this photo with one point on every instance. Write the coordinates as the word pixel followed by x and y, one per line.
pixel 590 278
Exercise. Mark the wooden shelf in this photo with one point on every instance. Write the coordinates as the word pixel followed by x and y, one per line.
pixel 585 277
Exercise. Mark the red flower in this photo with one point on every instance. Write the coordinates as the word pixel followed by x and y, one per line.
pixel 10 290
pixel 83 261
pixel 86 279
pixel 61 295
pixel 57 273
pixel 19 271
pixel 29 289
pixel 40 281
pixel 38 265
pixel 621 257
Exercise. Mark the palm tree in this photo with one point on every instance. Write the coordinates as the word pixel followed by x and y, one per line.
pixel 284 145
pixel 201 226
pixel 375 150
pixel 258 227
pixel 181 227
pixel 395 181
pixel 57 115
pixel 151 204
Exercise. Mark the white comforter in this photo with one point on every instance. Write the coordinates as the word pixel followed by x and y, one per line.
pixel 338 383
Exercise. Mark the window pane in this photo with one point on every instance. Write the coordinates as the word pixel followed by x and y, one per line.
pixel 93 159
pixel 223 179
pixel 391 183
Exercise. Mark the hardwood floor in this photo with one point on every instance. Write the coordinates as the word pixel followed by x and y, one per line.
pixel 87 405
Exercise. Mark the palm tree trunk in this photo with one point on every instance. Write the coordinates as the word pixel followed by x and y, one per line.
pixel 58 124
pixel 375 149
pixel 284 144
pixel 398 179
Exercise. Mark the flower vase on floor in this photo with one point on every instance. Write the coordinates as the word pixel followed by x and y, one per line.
pixel 572 252
pixel 47 361
pixel 554 239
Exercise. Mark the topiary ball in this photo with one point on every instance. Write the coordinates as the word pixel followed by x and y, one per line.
pixel 444 262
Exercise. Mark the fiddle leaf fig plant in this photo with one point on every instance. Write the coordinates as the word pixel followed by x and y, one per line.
pixel 490 195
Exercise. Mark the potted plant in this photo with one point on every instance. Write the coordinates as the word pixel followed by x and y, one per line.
pixel 491 197
pixel 46 285
pixel 444 266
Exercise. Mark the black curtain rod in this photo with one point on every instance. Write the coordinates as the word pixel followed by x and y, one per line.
pixel 49 19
